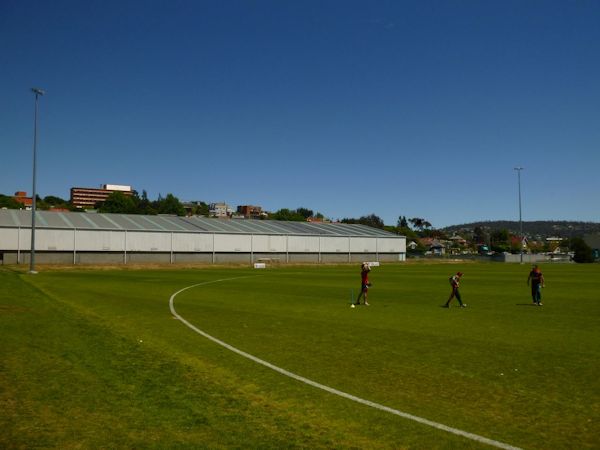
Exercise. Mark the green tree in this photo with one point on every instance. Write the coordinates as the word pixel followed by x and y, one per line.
pixel 536 246
pixel 480 236
pixel 417 223
pixel 201 209
pixel 119 203
pixel 406 231
pixel 51 201
pixel 371 220
pixel 583 252
pixel 40 204
pixel 304 212
pixel 499 241
pixel 402 222
pixel 437 234
pixel 170 205
pixel 55 201
pixel 9 202
pixel 287 214
pixel 144 205
pixel 418 250
pixel 516 245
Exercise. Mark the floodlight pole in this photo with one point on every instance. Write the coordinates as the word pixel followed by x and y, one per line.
pixel 38 92
pixel 518 169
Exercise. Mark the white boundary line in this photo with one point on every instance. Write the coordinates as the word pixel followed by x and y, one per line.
pixel 439 426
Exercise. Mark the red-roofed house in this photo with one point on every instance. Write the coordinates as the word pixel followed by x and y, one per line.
pixel 21 197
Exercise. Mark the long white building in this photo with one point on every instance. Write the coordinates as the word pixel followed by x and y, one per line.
pixel 84 238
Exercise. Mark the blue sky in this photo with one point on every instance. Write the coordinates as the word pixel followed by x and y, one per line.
pixel 415 108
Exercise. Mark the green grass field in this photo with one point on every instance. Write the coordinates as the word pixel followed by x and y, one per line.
pixel 94 358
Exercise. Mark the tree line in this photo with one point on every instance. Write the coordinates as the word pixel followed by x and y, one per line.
pixel 45 203
pixel 116 202
pixel 480 239
pixel 119 203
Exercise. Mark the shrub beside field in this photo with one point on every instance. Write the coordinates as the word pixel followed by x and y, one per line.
pixel 93 358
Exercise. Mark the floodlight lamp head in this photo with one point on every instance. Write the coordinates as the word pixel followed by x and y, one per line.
pixel 519 168
pixel 38 91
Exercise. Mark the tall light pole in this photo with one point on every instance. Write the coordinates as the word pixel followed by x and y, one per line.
pixel 38 92
pixel 518 169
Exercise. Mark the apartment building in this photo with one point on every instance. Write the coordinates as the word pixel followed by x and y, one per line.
pixel 250 211
pixel 82 197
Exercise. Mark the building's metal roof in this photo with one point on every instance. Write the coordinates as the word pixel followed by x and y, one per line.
pixel 72 220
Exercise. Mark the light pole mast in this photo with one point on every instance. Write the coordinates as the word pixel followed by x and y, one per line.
pixel 518 169
pixel 38 92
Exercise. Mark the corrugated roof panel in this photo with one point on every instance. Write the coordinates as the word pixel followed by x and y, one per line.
pixel 193 224
pixel 100 221
pixel 52 220
pixel 21 218
pixel 126 222
pixel 90 222
pixel 349 229
pixel 328 230
pixel 171 223
pixel 10 218
pixel 223 225
pixel 243 226
pixel 226 226
pixel 78 220
pixel 204 223
pixel 358 230
pixel 153 223
pixel 269 226
pixel 65 220
pixel 296 228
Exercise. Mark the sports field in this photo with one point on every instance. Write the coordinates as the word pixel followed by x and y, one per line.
pixel 94 358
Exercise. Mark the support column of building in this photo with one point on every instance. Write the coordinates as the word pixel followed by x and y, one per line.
pixel 74 246
pixel 349 250
pixel 19 246
pixel 319 259
pixel 213 249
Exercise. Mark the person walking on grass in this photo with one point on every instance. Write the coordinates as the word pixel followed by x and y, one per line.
pixel 537 283
pixel 364 283
pixel 455 283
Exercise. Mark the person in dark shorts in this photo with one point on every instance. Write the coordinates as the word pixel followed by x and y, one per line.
pixel 455 283
pixel 364 283
pixel 536 280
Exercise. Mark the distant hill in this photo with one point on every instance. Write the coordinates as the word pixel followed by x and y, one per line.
pixel 546 228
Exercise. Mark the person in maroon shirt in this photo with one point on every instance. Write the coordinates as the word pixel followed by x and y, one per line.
pixel 537 283
pixel 364 283
pixel 455 283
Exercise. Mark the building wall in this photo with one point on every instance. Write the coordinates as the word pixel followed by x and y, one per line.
pixel 219 209
pixel 88 197
pixel 73 246
pixel 249 211
pixel 527 258
pixel 117 258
